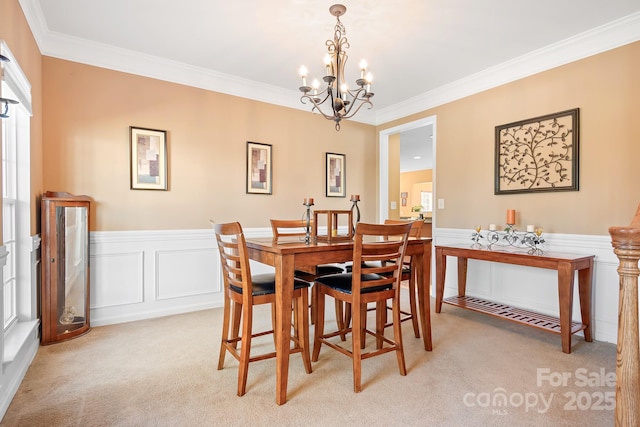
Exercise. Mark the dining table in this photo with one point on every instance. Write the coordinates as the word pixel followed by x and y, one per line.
pixel 290 254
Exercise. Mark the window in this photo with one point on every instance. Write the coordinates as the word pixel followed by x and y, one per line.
pixel 9 205
pixel 19 295
pixel 426 200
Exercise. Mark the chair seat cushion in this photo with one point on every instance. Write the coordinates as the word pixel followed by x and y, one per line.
pixel 343 282
pixel 405 268
pixel 324 269
pixel 265 284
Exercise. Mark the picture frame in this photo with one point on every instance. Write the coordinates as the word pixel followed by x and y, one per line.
pixel 148 153
pixel 539 154
pixel 336 175
pixel 259 168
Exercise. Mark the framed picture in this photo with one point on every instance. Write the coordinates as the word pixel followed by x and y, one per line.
pixel 539 154
pixel 336 175
pixel 258 168
pixel 148 159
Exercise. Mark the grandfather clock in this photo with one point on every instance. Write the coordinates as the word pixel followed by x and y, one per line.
pixel 65 266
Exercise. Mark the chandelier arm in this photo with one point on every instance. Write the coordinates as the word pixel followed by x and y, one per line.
pixel 350 114
pixel 316 105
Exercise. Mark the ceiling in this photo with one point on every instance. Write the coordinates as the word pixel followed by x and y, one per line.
pixel 254 48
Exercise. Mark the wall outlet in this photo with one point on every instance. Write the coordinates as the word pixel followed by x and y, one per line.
pixel 394 206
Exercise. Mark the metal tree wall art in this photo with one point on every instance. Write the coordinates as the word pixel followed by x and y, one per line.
pixel 539 154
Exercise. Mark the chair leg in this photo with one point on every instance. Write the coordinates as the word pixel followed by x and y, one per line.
pixel 302 328
pixel 381 321
pixel 235 326
pixel 319 325
pixel 226 320
pixel 340 319
pixel 412 302
pixel 363 325
pixel 397 335
pixel 312 305
pixel 357 345
pixel 245 349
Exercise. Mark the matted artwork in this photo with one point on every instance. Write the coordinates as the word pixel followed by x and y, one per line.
pixel 258 168
pixel 539 154
pixel 148 159
pixel 336 175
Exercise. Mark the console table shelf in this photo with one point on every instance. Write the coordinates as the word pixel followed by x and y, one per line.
pixel 515 314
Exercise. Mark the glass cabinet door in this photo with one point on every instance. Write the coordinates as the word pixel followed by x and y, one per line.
pixel 72 223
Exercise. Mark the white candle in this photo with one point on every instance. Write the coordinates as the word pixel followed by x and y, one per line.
pixel 303 74
pixel 492 227
pixel 530 228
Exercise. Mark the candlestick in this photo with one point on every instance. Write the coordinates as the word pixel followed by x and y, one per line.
pixel 511 216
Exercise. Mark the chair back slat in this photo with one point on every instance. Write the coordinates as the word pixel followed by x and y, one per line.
pixel 234 260
pixel 289 228
pixel 416 226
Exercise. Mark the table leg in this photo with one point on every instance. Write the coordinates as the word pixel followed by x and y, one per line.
pixel 585 277
pixel 284 290
pixel 565 297
pixel 423 270
pixel 441 271
pixel 462 276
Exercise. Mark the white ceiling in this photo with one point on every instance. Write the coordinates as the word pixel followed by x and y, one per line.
pixel 254 48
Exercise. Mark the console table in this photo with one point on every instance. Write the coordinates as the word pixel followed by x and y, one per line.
pixel 565 264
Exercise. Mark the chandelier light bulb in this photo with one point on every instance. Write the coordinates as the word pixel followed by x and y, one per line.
pixel 327 63
pixel 303 74
pixel 363 68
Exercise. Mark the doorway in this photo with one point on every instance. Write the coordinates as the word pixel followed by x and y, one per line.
pixel 385 202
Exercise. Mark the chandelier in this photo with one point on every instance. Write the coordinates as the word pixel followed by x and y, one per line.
pixel 342 102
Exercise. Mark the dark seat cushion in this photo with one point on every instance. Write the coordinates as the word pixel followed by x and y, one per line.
pixel 265 284
pixel 324 269
pixel 406 269
pixel 343 282
pixel 321 270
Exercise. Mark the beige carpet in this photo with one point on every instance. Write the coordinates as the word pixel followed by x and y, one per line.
pixel 162 372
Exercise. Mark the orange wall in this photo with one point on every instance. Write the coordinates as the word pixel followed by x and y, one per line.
pixel 16 33
pixel 90 109
pixel 84 138
pixel 605 87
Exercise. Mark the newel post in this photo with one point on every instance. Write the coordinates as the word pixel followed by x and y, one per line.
pixel 626 245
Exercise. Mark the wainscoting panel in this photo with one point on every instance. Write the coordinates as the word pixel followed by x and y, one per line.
pixel 183 273
pixel 123 272
pixel 536 289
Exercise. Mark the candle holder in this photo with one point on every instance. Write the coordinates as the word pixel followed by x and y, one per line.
pixel 510 237
pixel 307 217
pixel 475 237
pixel 354 200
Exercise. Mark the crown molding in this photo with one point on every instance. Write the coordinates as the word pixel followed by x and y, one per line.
pixel 600 39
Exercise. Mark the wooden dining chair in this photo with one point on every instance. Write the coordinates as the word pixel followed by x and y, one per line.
pixel 242 292
pixel 378 254
pixel 296 228
pixel 407 275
